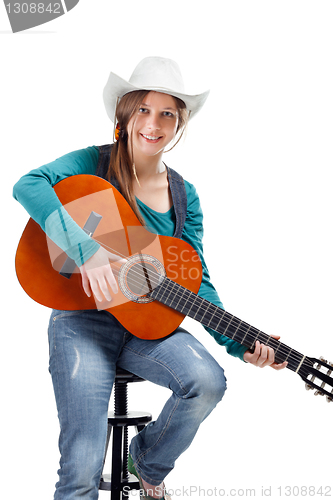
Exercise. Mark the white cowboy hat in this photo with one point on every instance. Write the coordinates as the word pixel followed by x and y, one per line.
pixel 152 73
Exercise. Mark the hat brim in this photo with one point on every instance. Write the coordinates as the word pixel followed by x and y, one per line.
pixel 116 87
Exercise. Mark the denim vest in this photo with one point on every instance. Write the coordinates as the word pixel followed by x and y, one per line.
pixel 176 183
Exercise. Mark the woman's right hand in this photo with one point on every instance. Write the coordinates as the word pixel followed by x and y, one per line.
pixel 97 274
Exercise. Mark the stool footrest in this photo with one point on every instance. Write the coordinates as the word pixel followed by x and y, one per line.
pixel 132 482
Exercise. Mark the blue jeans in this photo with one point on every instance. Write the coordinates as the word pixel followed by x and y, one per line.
pixel 85 347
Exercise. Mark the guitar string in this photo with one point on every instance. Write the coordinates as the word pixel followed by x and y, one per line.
pixel 291 356
pixel 247 331
pixel 285 350
pixel 237 324
pixel 231 317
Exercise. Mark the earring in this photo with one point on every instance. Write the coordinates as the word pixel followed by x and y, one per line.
pixel 117 132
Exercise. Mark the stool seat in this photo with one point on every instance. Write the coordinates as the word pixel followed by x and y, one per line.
pixel 125 376
pixel 118 422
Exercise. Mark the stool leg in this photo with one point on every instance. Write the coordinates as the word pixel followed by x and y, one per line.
pixel 116 464
pixel 119 471
pixel 125 453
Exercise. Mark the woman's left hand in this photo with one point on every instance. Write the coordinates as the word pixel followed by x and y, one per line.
pixel 263 356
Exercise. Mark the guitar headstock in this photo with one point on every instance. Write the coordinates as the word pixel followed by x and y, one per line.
pixel 318 374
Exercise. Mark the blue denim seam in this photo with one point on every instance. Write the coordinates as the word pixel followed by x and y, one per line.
pixel 140 458
pixel 56 358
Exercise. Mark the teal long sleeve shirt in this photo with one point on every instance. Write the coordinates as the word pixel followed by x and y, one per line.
pixel 35 192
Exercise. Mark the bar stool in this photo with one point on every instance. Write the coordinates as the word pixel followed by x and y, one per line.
pixel 118 423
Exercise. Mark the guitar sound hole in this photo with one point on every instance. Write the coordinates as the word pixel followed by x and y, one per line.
pixel 139 276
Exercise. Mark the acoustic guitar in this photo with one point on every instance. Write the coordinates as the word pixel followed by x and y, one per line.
pixel 158 279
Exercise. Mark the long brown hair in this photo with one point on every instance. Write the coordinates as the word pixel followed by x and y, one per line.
pixel 121 164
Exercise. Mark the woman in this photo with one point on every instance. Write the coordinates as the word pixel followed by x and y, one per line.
pixel 151 112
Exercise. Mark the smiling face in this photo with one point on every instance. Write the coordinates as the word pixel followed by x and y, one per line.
pixel 155 124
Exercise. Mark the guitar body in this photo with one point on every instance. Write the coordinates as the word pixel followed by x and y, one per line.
pixel 39 261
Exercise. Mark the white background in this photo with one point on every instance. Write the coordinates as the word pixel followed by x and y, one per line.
pixel 260 155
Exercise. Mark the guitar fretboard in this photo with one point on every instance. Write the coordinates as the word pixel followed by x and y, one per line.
pixel 190 304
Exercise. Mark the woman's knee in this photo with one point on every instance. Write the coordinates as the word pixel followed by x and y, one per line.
pixel 215 386
pixel 208 384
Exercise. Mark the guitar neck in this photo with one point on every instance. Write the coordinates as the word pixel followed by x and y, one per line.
pixel 186 302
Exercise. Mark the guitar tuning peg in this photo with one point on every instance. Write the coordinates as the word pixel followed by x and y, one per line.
pixel 310 386
pixel 318 393
pixel 323 359
pixel 329 399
